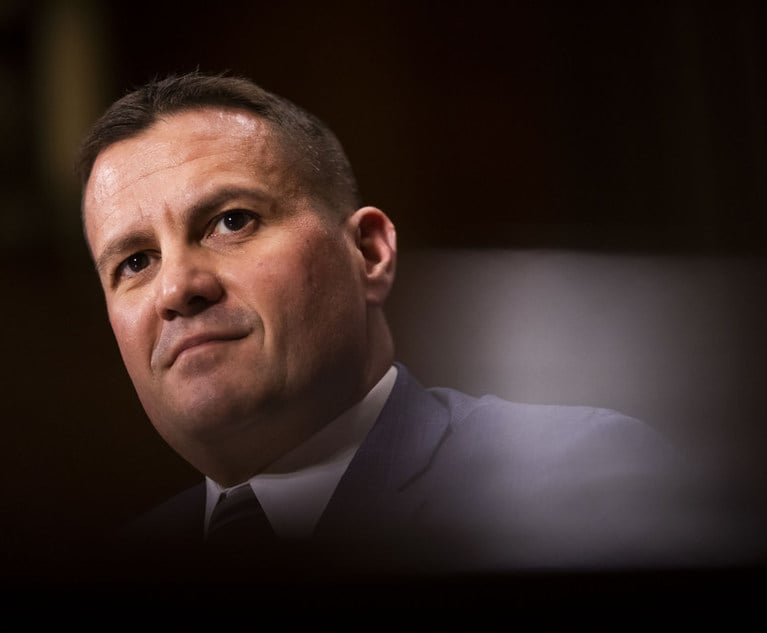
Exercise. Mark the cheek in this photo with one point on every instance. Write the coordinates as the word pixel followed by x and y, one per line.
pixel 326 276
pixel 314 293
pixel 301 272
pixel 335 297
pixel 130 334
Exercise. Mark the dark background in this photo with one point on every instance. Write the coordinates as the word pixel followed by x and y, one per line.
pixel 590 127
pixel 510 124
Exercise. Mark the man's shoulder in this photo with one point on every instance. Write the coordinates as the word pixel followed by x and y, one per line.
pixel 537 435
pixel 523 452
pixel 154 543
pixel 515 484
pixel 531 455
pixel 178 519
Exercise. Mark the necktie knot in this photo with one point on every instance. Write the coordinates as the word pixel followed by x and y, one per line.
pixel 238 521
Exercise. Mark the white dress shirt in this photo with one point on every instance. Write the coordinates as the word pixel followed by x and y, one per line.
pixel 295 489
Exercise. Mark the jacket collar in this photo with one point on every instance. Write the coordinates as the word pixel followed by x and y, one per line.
pixel 398 448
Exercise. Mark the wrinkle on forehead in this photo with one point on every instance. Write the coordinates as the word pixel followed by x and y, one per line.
pixel 222 139
pixel 110 181
pixel 163 146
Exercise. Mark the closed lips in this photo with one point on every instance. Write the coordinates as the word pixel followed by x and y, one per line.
pixel 201 339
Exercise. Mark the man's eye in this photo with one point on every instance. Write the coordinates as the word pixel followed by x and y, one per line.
pixel 134 264
pixel 233 221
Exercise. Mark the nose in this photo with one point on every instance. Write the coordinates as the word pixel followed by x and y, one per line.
pixel 187 284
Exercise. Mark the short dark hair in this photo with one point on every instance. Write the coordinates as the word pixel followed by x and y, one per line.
pixel 328 174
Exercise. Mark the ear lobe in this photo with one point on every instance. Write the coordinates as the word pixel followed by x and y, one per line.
pixel 376 240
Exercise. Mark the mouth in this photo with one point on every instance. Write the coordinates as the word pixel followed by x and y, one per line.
pixel 201 341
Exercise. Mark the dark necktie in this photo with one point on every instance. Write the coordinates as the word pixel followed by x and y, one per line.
pixel 239 525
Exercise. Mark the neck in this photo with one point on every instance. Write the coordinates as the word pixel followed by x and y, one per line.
pixel 235 452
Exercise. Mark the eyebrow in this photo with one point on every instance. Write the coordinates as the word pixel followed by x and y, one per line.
pixel 126 243
pixel 219 197
pixel 207 204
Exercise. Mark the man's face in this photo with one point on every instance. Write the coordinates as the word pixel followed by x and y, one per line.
pixel 235 298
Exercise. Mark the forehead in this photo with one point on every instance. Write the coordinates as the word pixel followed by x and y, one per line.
pixel 178 159
pixel 212 137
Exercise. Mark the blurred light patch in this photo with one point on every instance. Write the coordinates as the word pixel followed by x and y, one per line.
pixel 676 341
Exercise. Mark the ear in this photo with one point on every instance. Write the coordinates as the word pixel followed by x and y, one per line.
pixel 376 241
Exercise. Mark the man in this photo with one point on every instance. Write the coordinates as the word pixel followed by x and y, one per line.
pixel 245 283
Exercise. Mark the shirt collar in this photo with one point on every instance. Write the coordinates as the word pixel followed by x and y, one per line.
pixel 295 489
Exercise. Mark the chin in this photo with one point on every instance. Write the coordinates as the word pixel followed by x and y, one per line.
pixel 204 412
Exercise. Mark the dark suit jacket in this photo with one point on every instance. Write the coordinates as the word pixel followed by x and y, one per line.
pixel 445 482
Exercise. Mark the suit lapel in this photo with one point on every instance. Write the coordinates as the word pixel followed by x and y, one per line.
pixel 375 489
pixel 178 521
